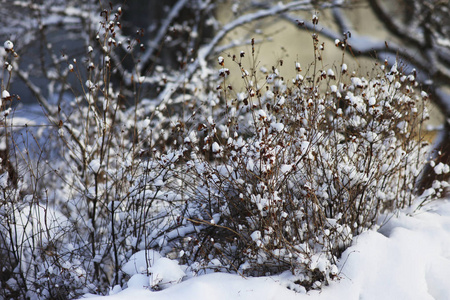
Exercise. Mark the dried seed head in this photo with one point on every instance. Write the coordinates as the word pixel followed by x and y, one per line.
pixel 9 46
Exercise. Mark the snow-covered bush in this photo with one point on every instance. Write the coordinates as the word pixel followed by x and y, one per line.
pixel 84 200
pixel 93 185
pixel 289 171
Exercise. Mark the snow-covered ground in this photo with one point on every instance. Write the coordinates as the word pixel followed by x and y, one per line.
pixel 408 258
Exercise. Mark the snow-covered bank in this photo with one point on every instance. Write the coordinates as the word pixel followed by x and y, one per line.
pixel 408 258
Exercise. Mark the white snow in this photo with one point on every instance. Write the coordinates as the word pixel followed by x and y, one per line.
pixel 138 262
pixel 89 84
pixel 261 114
pixel 304 147
pixel 95 165
pixel 4 180
pixel 5 94
pixel 8 45
pixel 277 126
pixel 441 168
pixel 165 272
pixel 216 148
pixel 424 94
pixel 407 258
pixel 256 235
pixel 330 73
pixel 285 169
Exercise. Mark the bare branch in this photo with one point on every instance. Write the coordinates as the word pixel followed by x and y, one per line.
pixel 156 42
pixel 50 110
pixel 207 49
pixel 394 27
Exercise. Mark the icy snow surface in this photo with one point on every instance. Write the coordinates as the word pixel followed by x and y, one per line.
pixel 408 258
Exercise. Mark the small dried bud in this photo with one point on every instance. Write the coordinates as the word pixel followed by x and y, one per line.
pixel 9 46
pixel 220 60
pixel 224 72
pixel 6 95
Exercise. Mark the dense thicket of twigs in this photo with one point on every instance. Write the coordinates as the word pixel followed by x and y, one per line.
pixel 136 153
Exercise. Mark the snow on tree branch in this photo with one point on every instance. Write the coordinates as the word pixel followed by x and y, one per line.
pixel 153 45
pixel 208 49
